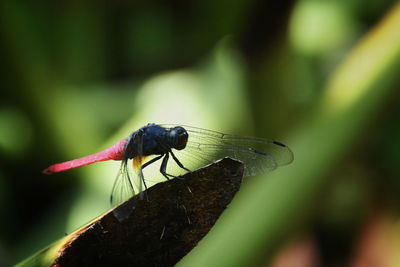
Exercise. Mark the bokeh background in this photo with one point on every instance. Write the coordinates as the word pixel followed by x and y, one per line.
pixel 320 76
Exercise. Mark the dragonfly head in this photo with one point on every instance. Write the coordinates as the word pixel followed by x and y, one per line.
pixel 178 137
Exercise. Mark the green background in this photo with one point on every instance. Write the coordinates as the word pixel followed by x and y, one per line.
pixel 320 76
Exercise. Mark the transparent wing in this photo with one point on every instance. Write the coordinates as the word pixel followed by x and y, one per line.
pixel 123 187
pixel 258 154
pixel 204 147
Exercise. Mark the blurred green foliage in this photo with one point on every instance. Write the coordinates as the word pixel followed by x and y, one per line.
pixel 79 75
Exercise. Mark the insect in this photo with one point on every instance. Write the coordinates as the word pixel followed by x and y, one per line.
pixel 189 147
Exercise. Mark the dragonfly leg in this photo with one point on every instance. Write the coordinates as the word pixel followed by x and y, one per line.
pixel 163 168
pixel 178 162
pixel 152 161
pixel 139 136
pixel 144 166
pixel 144 183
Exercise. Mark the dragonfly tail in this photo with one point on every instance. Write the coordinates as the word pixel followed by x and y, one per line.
pixel 115 152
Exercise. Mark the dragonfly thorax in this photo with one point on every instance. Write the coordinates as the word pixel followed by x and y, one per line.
pixel 153 139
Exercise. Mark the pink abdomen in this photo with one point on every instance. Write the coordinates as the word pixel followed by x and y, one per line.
pixel 115 152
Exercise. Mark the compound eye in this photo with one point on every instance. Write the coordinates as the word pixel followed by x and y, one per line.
pixel 179 130
pixel 179 138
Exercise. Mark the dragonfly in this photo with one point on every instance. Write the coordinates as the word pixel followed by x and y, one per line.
pixel 189 147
